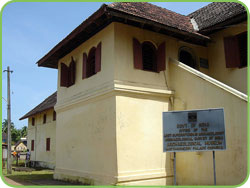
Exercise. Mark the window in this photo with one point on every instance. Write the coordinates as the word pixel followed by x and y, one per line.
pixel 54 115
pixel 187 56
pixel 48 144
pixel 236 50
pixel 68 74
pixel 149 58
pixel 44 118
pixel 91 63
pixel 32 145
pixel 33 121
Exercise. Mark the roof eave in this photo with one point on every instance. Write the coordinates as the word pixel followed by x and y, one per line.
pixel 44 61
pixel 217 27
pixel 32 114
pixel 107 15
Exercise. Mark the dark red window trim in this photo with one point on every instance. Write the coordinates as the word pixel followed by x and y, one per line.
pixel 32 145
pixel 54 115
pixel 149 58
pixel 33 121
pixel 47 144
pixel 44 118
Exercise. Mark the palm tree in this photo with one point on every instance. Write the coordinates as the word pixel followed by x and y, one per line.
pixel 5 126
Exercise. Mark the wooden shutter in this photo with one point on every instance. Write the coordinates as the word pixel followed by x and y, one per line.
pixel 32 145
pixel 48 144
pixel 137 49
pixel 72 72
pixel 242 42
pixel 84 66
pixel 54 115
pixel 232 55
pixel 98 55
pixel 161 57
pixel 44 118
pixel 64 75
pixel 33 121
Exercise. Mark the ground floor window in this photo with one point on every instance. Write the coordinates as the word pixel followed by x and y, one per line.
pixel 48 144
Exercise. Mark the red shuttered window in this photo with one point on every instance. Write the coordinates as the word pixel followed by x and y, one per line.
pixel 91 63
pixel 54 115
pixel 44 118
pixel 33 121
pixel 32 145
pixel 235 48
pixel 149 58
pixel 47 144
pixel 68 74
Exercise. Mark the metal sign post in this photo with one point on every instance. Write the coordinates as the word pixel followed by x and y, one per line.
pixel 194 130
pixel 214 168
pixel 174 168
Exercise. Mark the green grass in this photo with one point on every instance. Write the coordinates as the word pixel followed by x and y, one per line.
pixel 29 176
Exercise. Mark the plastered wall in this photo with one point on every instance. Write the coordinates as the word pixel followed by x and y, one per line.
pixel 39 132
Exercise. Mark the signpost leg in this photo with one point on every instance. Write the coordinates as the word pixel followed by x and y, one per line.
pixel 174 168
pixel 214 168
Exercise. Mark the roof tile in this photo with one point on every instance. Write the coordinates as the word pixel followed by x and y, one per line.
pixel 48 103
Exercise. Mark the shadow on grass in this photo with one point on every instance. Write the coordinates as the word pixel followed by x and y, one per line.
pixel 38 179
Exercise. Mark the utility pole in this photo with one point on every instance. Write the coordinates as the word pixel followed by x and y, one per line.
pixel 9 122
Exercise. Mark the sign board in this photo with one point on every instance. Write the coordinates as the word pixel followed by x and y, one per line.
pixel 195 130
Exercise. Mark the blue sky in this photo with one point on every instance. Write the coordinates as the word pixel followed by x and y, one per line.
pixel 29 31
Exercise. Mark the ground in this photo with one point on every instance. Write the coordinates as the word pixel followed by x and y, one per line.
pixel 31 176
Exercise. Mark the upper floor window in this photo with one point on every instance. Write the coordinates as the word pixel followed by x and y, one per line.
pixel 44 118
pixel 148 57
pixel 236 50
pixel 32 145
pixel 33 121
pixel 54 115
pixel 91 62
pixel 68 74
pixel 187 56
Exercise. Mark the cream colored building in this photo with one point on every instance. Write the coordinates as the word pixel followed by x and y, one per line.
pixel 120 69
pixel 41 138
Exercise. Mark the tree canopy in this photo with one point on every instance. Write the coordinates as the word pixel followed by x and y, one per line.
pixel 16 134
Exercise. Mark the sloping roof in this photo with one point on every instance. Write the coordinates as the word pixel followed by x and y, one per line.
pixel 155 13
pixel 215 13
pixel 21 141
pixel 45 105
pixel 142 15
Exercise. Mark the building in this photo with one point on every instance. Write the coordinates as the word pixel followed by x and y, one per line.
pixel 21 145
pixel 42 133
pixel 124 66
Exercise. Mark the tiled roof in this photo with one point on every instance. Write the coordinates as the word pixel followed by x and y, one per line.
pixel 215 13
pixel 143 15
pixel 45 105
pixel 155 13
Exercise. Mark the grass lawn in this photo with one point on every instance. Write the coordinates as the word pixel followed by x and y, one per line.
pixel 29 176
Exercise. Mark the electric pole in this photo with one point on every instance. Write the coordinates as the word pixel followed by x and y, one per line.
pixel 9 121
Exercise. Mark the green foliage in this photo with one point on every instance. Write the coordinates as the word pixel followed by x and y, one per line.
pixel 16 134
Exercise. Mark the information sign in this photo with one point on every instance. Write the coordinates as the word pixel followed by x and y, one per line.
pixel 195 130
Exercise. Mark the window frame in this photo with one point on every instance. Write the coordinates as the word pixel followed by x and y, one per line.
pixel 32 145
pixel 47 144
pixel 33 121
pixel 44 118
pixel 54 115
